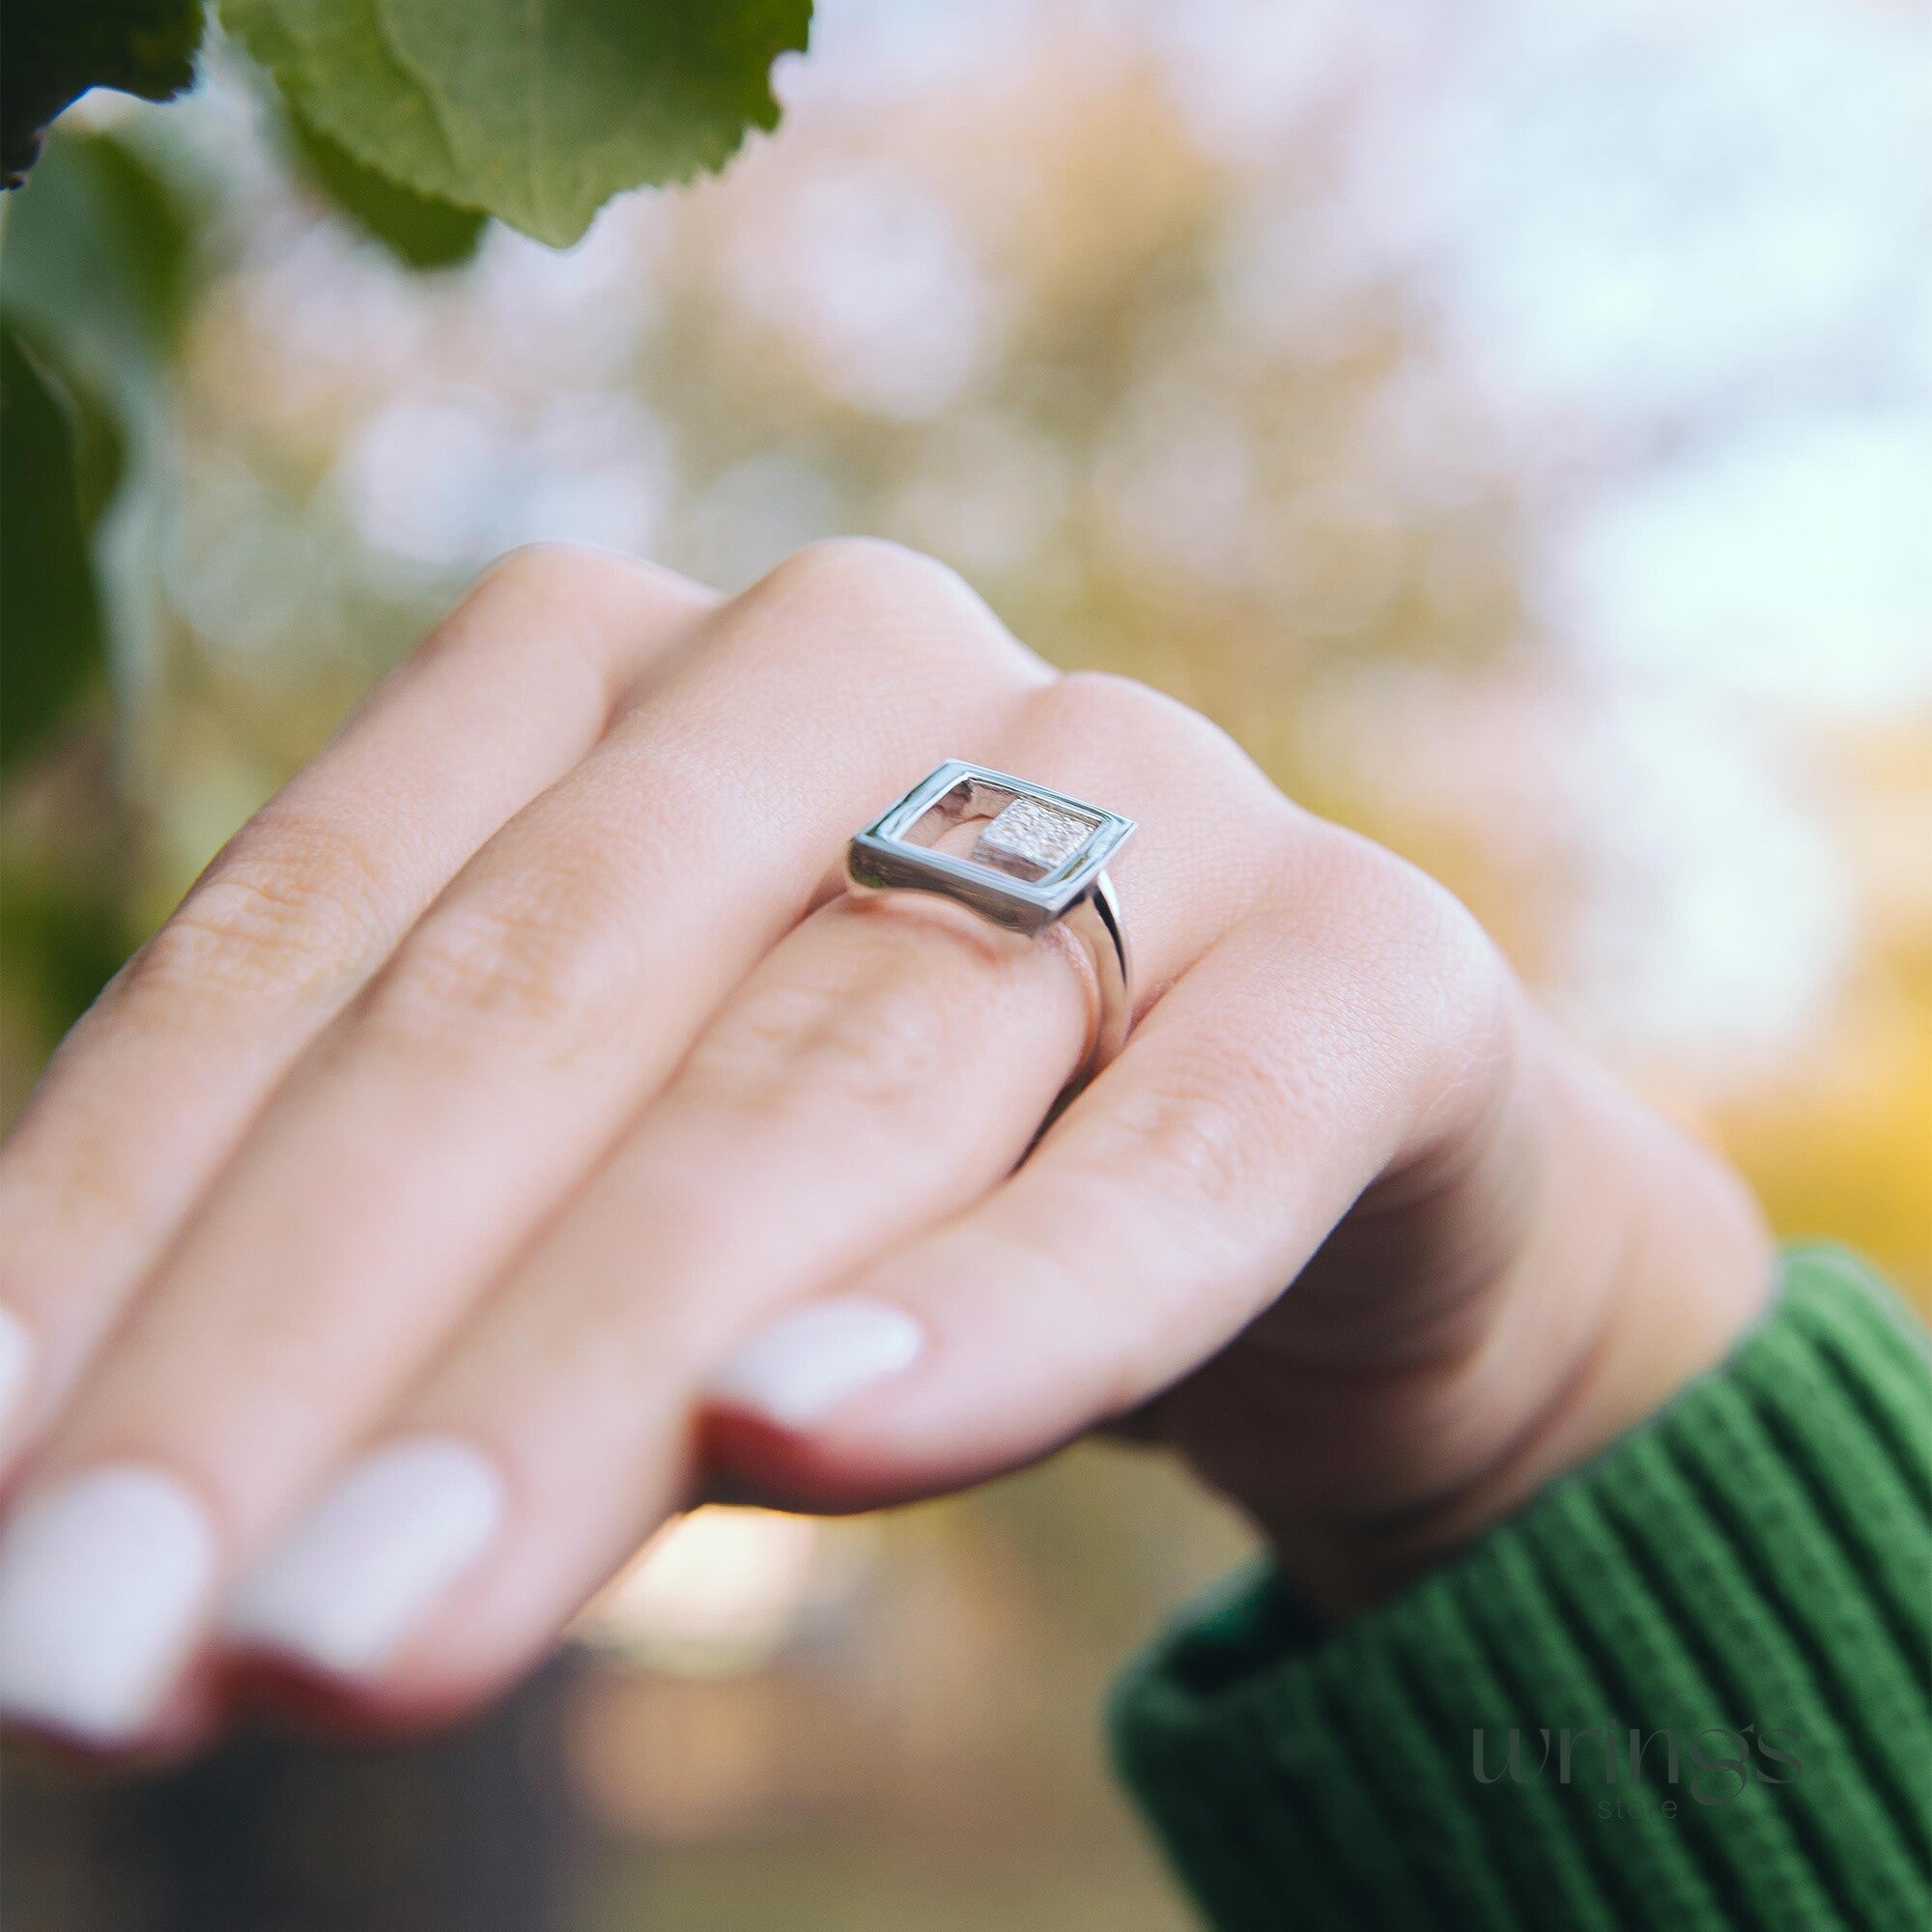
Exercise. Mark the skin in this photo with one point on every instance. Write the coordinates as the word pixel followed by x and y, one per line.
pixel 521 1060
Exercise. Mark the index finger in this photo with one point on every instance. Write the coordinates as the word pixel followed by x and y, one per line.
pixel 152 1089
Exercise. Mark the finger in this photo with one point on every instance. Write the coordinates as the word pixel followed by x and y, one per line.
pixel 842 1098
pixel 884 1066
pixel 151 1089
pixel 1307 1055
pixel 549 989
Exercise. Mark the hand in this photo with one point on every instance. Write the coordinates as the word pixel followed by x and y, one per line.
pixel 514 1130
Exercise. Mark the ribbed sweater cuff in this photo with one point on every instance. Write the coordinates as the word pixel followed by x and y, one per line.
pixel 1747 1577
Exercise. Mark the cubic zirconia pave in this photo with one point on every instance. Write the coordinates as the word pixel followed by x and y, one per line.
pixel 1031 836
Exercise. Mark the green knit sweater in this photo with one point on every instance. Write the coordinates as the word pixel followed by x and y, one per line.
pixel 1742 1588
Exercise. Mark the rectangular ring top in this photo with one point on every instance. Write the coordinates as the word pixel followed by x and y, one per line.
pixel 1038 852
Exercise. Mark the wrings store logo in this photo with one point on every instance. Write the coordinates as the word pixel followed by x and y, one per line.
pixel 1714 1765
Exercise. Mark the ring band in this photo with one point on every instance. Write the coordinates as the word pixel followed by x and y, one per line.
pixel 1040 860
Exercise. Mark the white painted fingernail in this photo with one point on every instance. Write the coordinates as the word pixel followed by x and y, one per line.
pixel 102 1579
pixel 369 1560
pixel 801 1368
pixel 17 1360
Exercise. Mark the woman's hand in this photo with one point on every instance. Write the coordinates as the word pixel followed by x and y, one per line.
pixel 514 1133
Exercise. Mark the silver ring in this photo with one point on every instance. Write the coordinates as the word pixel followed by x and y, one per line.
pixel 1040 860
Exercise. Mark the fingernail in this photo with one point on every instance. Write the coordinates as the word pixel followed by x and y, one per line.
pixel 801 1368
pixel 17 1354
pixel 361 1570
pixel 101 1585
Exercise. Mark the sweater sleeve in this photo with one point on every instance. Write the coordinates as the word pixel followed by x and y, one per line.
pixel 1689 1685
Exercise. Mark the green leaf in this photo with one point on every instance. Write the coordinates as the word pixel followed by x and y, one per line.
pixel 99 450
pixel 99 261
pixel 95 281
pixel 52 646
pixel 418 229
pixel 52 52
pixel 537 111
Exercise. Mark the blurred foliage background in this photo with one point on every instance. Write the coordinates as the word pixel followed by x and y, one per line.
pixel 1516 430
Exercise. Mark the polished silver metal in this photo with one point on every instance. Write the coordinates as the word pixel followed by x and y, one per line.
pixel 1040 860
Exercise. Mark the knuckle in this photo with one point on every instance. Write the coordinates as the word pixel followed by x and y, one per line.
pixel 286 905
pixel 807 1045
pixel 1096 698
pixel 1193 1131
pixel 520 967
pixel 1443 982
pixel 567 600
pixel 541 577
pixel 870 567
pixel 870 1032
pixel 900 598
pixel 1103 706
pixel 1427 925
pixel 889 1055
pixel 548 569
